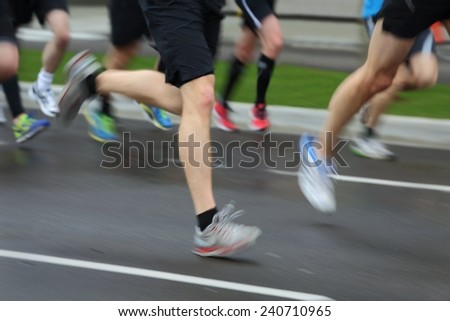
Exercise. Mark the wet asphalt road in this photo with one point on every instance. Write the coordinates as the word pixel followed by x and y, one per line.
pixel 384 243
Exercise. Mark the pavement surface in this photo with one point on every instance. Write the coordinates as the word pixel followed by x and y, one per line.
pixel 384 243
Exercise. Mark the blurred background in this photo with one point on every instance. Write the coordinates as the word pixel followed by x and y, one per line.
pixel 324 34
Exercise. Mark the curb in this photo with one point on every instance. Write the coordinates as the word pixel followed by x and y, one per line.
pixel 396 130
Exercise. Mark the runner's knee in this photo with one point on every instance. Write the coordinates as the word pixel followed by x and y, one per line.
pixel 382 81
pixel 426 79
pixel 206 98
pixel 244 52
pixel 8 69
pixel 375 81
pixel 274 45
pixel 62 38
pixel 198 97
pixel 9 62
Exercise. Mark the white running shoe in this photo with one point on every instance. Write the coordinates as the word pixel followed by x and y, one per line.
pixel 314 177
pixel 370 147
pixel 45 100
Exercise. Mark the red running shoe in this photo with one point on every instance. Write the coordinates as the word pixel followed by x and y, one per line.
pixel 221 119
pixel 260 119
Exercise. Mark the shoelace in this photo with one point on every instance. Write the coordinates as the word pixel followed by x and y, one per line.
pixel 260 113
pixel 224 225
pixel 51 99
pixel 26 122
pixel 43 97
pixel 377 145
pixel 227 107
pixel 227 214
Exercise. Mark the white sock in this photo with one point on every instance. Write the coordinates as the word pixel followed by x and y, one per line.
pixel 44 80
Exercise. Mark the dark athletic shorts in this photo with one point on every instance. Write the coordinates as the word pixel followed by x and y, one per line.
pixel 254 11
pixel 186 33
pixel 24 9
pixel 424 42
pixel 6 23
pixel 408 18
pixel 127 22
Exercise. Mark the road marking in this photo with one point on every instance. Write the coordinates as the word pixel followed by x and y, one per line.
pixel 376 181
pixel 233 286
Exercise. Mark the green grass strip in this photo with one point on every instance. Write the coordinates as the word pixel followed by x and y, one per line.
pixel 291 85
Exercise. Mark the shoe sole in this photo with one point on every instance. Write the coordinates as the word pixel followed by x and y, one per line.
pixel 229 251
pixel 355 150
pixel 257 129
pixel 73 61
pixel 68 115
pixel 327 206
pixel 30 135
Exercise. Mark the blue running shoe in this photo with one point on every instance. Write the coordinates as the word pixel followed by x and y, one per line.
pixel 102 128
pixel 27 127
pixel 157 116
pixel 314 177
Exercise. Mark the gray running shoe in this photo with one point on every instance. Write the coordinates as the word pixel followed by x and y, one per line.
pixel 82 62
pixel 76 91
pixel 223 237
pixel 370 147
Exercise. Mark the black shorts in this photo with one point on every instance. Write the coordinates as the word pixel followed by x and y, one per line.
pixel 408 18
pixel 6 23
pixel 127 22
pixel 424 42
pixel 41 8
pixel 186 33
pixel 254 11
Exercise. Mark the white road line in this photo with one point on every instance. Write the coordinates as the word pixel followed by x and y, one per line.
pixel 376 181
pixel 29 34
pixel 233 286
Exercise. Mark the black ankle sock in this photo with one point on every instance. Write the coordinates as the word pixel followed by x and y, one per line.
pixel 12 93
pixel 370 132
pixel 234 74
pixel 265 70
pixel 205 218
pixel 90 80
pixel 106 106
